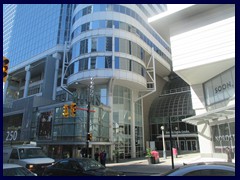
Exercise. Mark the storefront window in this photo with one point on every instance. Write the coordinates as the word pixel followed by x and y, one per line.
pixel 223 136
pixel 220 88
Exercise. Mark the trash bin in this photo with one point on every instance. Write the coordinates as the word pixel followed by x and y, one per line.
pixel 175 152
pixel 155 154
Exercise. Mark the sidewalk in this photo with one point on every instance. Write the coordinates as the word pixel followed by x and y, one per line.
pixel 185 158
pixel 182 158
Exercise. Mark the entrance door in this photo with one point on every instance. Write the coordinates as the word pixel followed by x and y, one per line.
pixel 182 145
pixel 192 145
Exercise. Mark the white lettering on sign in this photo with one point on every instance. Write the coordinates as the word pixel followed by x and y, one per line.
pixel 225 137
pixel 223 87
pixel 11 135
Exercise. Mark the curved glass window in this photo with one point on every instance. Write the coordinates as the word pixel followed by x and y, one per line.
pixel 103 44
pixel 176 106
pixel 123 10
pixel 118 25
pixel 105 62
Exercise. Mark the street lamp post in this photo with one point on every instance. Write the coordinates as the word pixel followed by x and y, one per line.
pixel 170 133
pixel 178 147
pixel 164 146
pixel 91 91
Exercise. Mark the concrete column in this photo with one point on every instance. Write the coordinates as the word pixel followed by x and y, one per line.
pixel 110 104
pixel 5 90
pixel 27 81
pixel 205 139
pixel 133 139
pixel 58 57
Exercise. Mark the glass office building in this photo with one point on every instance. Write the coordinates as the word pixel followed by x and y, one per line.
pixel 56 49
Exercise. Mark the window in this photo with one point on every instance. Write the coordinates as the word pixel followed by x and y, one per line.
pixel 108 62
pixel 83 64
pixel 93 63
pixel 109 44
pixel 84 46
pixel 94 45
pixel 100 63
pixel 116 62
pixel 101 44
pixel 109 23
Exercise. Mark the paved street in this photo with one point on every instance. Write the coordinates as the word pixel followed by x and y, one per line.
pixel 140 166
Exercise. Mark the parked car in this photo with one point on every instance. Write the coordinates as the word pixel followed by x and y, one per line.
pixel 16 170
pixel 27 155
pixel 79 167
pixel 204 169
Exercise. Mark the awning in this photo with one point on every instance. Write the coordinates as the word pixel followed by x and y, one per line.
pixel 211 115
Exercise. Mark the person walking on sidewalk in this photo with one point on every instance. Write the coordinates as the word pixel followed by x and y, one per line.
pixel 103 157
pixel 96 155
pixel 229 154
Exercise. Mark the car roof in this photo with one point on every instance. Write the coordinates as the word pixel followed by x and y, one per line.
pixel 201 165
pixel 210 163
pixel 7 166
pixel 25 146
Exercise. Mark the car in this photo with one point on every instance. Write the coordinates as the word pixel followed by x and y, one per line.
pixel 204 169
pixel 16 170
pixel 79 167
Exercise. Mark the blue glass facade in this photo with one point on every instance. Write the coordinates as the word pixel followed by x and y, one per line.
pixel 35 34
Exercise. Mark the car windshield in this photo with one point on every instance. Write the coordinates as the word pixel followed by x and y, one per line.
pixel 19 171
pixel 90 164
pixel 29 153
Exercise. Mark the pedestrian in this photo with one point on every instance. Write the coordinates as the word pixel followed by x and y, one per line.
pixel 96 155
pixel 103 157
pixel 229 154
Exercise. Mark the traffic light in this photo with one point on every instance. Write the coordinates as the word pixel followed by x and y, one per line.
pixel 5 68
pixel 89 136
pixel 65 110
pixel 73 109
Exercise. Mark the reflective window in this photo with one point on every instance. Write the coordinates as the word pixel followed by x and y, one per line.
pixel 83 64
pixel 94 45
pixel 76 67
pixel 101 44
pixel 100 64
pixel 37 33
pixel 127 11
pixel 220 88
pixel 93 63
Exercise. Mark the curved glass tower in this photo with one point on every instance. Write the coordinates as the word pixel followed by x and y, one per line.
pixel 113 44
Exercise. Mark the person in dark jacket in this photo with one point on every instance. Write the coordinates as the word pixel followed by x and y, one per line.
pixel 103 157
pixel 96 155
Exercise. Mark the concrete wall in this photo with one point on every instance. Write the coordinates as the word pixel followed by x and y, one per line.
pixel 198 100
pixel 204 38
pixel 205 137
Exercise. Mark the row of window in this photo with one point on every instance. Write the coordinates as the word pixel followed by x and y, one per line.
pixel 103 44
pixel 105 62
pixel 118 25
pixel 121 9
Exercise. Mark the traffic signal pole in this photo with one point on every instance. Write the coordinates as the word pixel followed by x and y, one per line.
pixel 88 128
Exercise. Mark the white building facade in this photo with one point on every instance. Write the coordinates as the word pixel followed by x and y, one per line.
pixel 202 39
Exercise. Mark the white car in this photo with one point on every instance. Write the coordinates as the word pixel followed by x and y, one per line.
pixel 204 169
pixel 16 170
